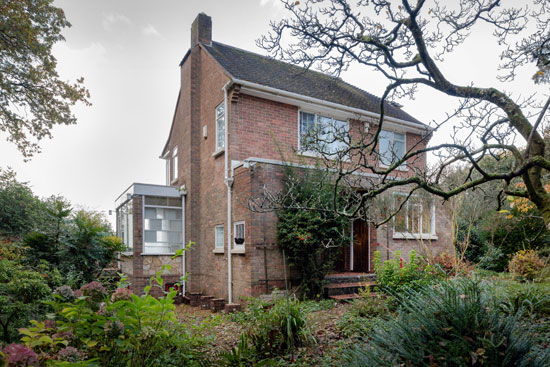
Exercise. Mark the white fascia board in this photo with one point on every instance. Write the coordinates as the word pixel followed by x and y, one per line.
pixel 147 190
pixel 332 109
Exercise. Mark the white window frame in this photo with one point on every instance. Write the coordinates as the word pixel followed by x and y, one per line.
pixel 174 163
pixel 217 239
pixel 219 148
pixel 235 245
pixel 409 235
pixel 304 151
pixel 168 162
pixel 402 166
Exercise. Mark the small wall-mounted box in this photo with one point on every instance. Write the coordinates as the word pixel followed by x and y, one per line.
pixel 205 131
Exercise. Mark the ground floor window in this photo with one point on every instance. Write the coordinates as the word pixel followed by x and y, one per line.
pixel 239 235
pixel 218 237
pixel 416 217
pixel 162 230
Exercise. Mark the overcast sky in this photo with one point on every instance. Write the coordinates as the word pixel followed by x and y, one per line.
pixel 128 51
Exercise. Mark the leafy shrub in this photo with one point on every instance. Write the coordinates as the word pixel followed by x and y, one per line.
pixel 311 238
pixel 274 328
pixel 22 291
pixel 528 298
pixel 122 329
pixel 451 323
pixel 396 274
pixel 364 314
pixel 493 258
pixel 18 355
pixel 526 264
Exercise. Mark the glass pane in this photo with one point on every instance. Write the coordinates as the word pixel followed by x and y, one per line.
pixel 427 213
pixel 150 236
pixel 220 132
pixel 400 219
pixel 385 147
pixel 399 137
pixel 219 236
pixel 153 224
pixel 150 213
pixel 398 150
pixel 307 129
pixel 415 211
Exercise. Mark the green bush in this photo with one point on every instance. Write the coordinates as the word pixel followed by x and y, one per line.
pixel 395 275
pixel 452 323
pixel 121 329
pixel 272 328
pixel 364 314
pixel 529 298
pixel 22 291
pixel 308 233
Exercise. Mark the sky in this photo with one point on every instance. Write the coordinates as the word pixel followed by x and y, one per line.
pixel 128 52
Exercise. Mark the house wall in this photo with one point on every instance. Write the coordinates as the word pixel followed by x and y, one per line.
pixel 257 128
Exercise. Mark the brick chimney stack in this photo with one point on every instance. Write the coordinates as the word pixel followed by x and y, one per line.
pixel 201 30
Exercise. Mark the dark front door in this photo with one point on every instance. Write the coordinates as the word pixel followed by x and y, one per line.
pixel 360 246
pixel 356 260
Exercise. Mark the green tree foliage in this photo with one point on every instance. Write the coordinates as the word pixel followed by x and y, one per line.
pixel 310 235
pixel 21 292
pixel 33 98
pixel 20 210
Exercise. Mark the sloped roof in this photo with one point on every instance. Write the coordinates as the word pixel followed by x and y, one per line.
pixel 269 72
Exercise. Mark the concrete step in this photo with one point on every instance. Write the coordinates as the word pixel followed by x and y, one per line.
pixel 345 297
pixel 350 277
pixel 346 288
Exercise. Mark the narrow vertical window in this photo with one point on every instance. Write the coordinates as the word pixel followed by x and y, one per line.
pixel 218 237
pixel 220 127
pixel 239 235
pixel 175 164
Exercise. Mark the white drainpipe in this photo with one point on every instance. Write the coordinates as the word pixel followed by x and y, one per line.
pixel 183 196
pixel 229 184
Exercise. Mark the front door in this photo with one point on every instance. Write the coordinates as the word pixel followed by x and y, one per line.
pixel 356 258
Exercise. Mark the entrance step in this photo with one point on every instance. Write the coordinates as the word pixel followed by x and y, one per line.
pixel 346 288
pixel 345 297
pixel 344 284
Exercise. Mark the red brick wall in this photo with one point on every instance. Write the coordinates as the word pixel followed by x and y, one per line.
pixel 258 128
pixel 267 129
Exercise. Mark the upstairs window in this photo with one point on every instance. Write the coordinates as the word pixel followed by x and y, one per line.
pixel 321 134
pixel 220 127
pixel 175 164
pixel 391 147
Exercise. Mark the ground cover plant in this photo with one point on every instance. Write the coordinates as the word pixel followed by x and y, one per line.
pixel 452 323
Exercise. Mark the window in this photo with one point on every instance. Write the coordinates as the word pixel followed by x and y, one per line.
pixel 168 170
pixel 238 235
pixel 218 238
pixel 175 164
pixel 392 147
pixel 162 230
pixel 220 127
pixel 322 134
pixel 125 228
pixel 416 219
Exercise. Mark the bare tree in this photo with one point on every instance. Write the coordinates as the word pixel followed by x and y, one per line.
pixel 407 43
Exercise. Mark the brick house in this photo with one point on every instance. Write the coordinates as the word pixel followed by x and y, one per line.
pixel 235 114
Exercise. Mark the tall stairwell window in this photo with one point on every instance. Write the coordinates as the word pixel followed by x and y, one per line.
pixel 175 164
pixel 220 127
